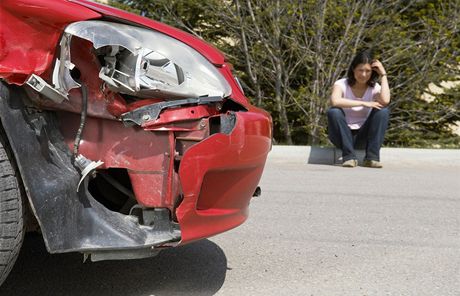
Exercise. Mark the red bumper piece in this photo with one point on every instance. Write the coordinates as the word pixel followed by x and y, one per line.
pixel 220 174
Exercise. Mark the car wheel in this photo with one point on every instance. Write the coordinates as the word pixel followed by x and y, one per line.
pixel 11 213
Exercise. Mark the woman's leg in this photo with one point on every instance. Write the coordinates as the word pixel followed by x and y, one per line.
pixel 339 133
pixel 373 132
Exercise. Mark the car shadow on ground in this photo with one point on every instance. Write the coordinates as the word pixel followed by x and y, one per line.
pixel 195 269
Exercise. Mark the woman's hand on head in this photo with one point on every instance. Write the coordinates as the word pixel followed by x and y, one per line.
pixel 378 67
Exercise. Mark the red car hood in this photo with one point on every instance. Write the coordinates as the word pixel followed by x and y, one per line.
pixel 207 50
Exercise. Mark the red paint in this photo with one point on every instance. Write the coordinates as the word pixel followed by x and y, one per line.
pixel 237 160
pixel 30 32
pixel 144 154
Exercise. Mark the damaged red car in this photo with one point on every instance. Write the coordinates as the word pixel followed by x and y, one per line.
pixel 119 135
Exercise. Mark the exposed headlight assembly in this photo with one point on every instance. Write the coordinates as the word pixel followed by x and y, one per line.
pixel 142 63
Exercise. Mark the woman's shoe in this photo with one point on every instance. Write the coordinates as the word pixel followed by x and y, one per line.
pixel 351 163
pixel 372 164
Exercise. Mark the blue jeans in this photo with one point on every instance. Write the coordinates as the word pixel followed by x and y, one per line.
pixel 370 136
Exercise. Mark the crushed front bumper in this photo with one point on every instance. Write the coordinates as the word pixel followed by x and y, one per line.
pixel 217 175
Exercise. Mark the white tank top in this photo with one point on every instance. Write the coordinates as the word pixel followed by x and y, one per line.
pixel 356 116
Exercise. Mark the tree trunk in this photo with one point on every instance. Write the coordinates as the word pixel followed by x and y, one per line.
pixel 281 104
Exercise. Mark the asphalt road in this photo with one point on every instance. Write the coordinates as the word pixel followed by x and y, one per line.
pixel 316 230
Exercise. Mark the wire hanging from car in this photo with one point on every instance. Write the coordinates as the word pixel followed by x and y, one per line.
pixel 84 110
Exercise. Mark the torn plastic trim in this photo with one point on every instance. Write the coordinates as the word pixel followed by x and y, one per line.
pixel 86 166
pixel 144 114
pixel 62 80
pixel 42 87
pixel 146 63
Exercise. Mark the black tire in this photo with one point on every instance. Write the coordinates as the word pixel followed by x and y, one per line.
pixel 11 214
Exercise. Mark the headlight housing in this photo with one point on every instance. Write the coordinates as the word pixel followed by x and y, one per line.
pixel 142 63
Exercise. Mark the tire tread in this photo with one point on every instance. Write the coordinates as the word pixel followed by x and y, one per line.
pixel 11 214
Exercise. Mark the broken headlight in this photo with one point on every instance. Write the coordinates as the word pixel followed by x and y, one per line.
pixel 143 63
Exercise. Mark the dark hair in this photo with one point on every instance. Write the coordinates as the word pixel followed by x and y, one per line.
pixel 364 57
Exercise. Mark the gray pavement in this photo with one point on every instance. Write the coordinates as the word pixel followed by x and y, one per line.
pixel 328 230
pixel 317 229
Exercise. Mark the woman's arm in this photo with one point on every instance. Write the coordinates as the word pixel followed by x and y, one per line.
pixel 337 100
pixel 384 96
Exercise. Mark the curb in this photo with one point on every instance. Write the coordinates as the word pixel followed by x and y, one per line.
pixel 390 156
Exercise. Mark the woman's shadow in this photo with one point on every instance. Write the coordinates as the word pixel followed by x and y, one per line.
pixel 195 269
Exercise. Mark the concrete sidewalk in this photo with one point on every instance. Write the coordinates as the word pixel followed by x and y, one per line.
pixel 388 156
